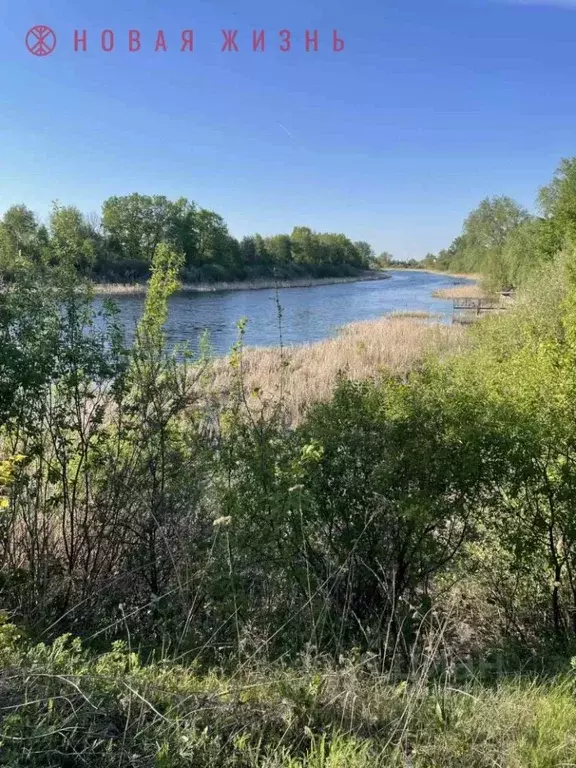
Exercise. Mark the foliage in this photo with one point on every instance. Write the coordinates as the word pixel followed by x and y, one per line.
pixel 506 245
pixel 121 245
pixel 405 529
pixel 481 247
pixel 64 706
pixel 558 199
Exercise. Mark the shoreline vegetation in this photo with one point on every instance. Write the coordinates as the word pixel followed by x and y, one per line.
pixel 359 553
pixel 446 273
pixel 118 244
pixel 117 289
pixel 462 292
pixel 306 374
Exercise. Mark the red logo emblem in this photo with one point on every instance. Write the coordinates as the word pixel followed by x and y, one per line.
pixel 41 40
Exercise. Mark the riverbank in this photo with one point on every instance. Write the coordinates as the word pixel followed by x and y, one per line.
pixel 138 289
pixel 461 292
pixel 455 275
pixel 307 373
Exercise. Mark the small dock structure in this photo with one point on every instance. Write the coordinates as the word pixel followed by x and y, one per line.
pixel 470 309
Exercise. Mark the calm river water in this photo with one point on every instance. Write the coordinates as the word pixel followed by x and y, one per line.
pixel 309 314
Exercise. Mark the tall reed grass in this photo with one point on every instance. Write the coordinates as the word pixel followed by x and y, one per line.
pixel 137 289
pixel 461 292
pixel 308 373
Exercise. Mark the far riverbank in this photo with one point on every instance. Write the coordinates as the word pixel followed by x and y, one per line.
pixel 456 275
pixel 136 289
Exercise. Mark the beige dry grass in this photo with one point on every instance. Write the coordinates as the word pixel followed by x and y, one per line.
pixel 360 351
pixel 466 275
pixel 120 289
pixel 461 292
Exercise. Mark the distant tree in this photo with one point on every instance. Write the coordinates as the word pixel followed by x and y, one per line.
pixel 323 249
pixel 337 249
pixel 558 200
pixel 248 252
pixel 366 252
pixel 261 250
pixel 120 244
pixel 22 239
pixel 486 230
pixel 136 224
pixel 214 241
pixel 383 260
pixel 181 230
pixel 430 261
pixel 533 243
pixel 72 242
pixel 280 249
pixel 303 246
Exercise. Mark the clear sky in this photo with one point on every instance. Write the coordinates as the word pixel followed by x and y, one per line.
pixel 432 105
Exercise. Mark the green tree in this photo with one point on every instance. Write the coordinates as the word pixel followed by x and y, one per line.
pixel 558 199
pixel 485 233
pixel 384 260
pixel 280 249
pixel 303 246
pixel 248 252
pixel 534 243
pixel 213 238
pixel 135 225
pixel 22 239
pixel 72 241
pixel 365 251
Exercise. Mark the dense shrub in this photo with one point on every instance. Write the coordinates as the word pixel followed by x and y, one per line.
pixel 411 526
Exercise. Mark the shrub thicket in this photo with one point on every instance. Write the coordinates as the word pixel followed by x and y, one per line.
pixel 342 574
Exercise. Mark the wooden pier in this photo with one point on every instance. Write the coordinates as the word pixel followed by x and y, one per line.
pixel 469 309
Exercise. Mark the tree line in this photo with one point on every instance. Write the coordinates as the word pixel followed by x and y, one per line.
pixel 118 245
pixel 501 240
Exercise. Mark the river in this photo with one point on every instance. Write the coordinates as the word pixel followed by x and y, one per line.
pixel 308 314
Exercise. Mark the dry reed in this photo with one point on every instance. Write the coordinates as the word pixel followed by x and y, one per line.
pixel 464 275
pixel 117 289
pixel 308 373
pixel 461 292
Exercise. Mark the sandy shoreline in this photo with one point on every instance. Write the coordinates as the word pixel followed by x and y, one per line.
pixel 254 285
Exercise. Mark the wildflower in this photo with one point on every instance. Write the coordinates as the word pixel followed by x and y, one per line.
pixel 223 522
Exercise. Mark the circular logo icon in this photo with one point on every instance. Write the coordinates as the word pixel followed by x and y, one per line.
pixel 41 40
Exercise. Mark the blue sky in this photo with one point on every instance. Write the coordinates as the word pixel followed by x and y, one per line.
pixel 433 105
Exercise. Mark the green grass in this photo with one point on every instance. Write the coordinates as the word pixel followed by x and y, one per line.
pixel 62 706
